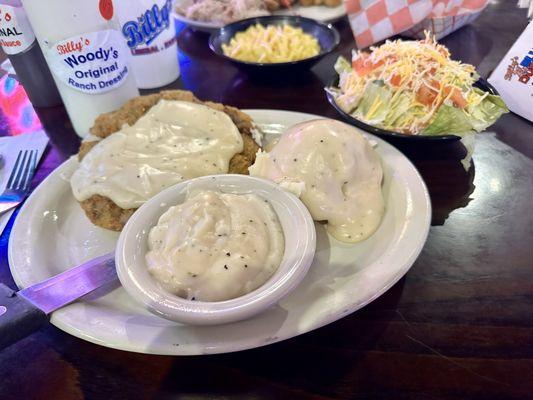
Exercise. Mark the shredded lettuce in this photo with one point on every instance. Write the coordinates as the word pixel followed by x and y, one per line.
pixel 399 108
pixel 487 112
pixel 374 105
pixel 342 65
pixel 453 121
pixel 469 141
pixel 449 120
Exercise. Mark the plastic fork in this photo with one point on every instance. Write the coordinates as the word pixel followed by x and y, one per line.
pixel 19 181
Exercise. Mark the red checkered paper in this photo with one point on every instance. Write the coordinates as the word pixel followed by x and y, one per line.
pixel 374 20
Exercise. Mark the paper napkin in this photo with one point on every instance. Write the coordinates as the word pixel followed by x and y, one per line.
pixel 9 149
pixel 374 20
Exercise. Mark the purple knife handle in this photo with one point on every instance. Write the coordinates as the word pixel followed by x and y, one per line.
pixel 18 317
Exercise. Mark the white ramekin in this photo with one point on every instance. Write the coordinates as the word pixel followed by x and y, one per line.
pixel 300 243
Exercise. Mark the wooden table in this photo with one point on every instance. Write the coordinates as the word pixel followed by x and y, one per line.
pixel 459 325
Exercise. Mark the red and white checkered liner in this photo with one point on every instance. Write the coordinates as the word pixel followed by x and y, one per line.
pixel 375 20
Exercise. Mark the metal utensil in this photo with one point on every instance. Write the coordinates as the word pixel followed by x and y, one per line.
pixel 19 181
pixel 24 312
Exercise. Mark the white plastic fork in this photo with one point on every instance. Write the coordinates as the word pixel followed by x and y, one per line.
pixel 19 181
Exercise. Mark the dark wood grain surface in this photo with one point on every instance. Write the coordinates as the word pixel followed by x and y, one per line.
pixel 459 325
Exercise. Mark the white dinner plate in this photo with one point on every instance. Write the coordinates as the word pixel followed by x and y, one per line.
pixel 319 13
pixel 51 234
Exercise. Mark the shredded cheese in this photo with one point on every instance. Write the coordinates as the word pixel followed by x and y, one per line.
pixel 271 44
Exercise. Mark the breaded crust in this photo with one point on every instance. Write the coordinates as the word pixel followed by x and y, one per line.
pixel 101 210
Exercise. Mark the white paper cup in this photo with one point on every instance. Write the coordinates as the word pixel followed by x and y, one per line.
pixel 148 28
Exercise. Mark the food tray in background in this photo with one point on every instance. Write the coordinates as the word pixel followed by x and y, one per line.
pixel 319 13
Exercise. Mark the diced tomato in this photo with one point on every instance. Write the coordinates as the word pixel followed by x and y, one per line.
pixel 363 66
pixel 456 96
pixel 427 95
pixel 396 80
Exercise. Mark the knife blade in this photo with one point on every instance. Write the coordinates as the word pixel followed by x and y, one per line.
pixel 23 312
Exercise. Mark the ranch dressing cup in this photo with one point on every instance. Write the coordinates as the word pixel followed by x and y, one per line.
pixel 88 57
pixel 149 31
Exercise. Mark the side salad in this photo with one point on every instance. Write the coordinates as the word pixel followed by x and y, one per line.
pixel 415 88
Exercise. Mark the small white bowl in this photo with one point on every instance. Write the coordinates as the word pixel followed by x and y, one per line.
pixel 300 243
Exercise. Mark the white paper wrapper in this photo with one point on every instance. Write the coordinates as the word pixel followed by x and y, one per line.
pixel 513 77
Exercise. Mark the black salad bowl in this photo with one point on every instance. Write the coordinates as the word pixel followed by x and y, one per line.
pixel 480 83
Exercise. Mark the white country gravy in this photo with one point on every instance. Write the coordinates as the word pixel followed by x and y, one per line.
pixel 174 141
pixel 215 246
pixel 335 172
